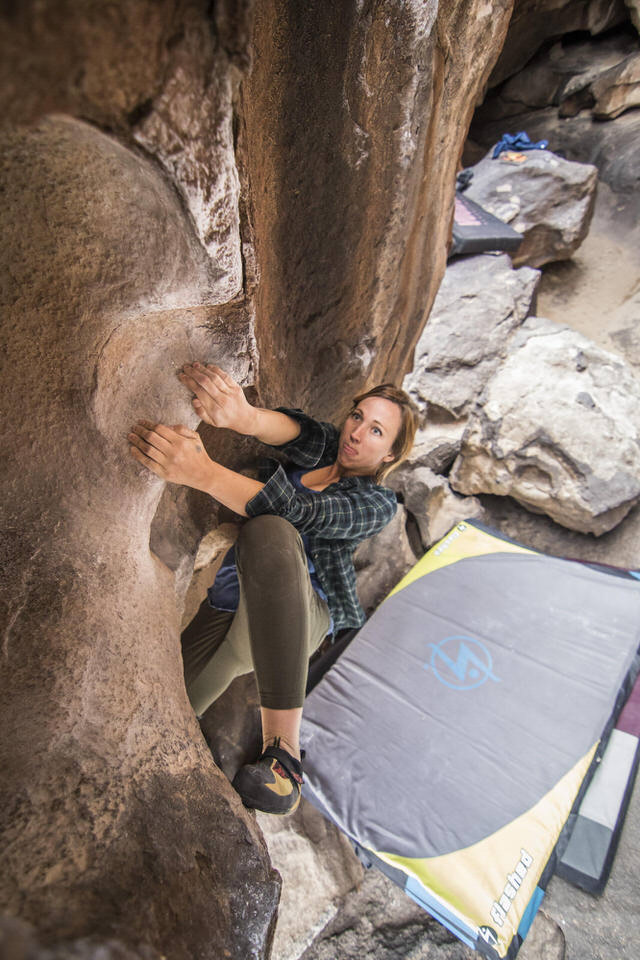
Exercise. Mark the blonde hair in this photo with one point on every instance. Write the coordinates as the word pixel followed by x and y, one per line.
pixel 406 434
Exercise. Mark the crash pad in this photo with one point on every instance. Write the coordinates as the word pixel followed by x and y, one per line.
pixel 455 736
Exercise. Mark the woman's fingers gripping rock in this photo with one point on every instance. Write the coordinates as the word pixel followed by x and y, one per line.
pixel 218 400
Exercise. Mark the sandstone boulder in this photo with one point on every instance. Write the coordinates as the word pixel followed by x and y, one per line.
pixel 557 429
pixel 548 199
pixel 536 21
pixel 430 499
pixel 611 147
pixel 106 778
pixel 318 868
pixel 481 301
pixel 113 63
pixel 617 89
pixel 211 551
pixel 19 941
pixel 188 128
pixel 562 74
pixel 157 204
pixel 409 932
pixel 353 120
pixel 437 444
pixel 380 922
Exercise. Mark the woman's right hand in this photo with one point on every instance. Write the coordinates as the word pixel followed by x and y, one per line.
pixel 218 400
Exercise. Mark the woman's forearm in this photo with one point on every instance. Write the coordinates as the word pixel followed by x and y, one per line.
pixel 232 489
pixel 273 427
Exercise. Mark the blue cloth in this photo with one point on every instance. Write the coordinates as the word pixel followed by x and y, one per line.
pixel 517 141
pixel 224 594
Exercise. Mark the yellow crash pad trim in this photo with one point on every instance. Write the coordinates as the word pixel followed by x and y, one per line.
pixel 474 880
pixel 461 543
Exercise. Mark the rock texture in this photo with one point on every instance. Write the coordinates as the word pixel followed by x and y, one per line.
pixel 265 186
pixel 104 776
pixel 536 21
pixel 562 75
pixel 431 501
pixel 409 932
pixel 634 11
pixel 318 869
pixel 19 941
pixel 380 921
pixel 617 89
pixel 546 198
pixel 557 429
pixel 189 129
pixel 611 147
pixel 370 100
pixel 437 444
pixel 482 300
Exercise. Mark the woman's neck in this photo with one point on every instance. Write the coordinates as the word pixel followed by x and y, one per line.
pixel 335 472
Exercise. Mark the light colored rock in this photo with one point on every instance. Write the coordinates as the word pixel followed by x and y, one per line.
pixel 548 199
pixel 593 61
pixel 611 147
pixel 380 922
pixel 557 429
pixel 430 499
pixel 481 301
pixel 382 561
pixel 214 544
pixel 318 869
pixel 545 940
pixel 634 11
pixel 437 445
pixel 189 130
pixel 618 89
pixel 19 941
pixel 209 557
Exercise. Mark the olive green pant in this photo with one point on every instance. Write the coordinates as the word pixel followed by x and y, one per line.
pixel 279 623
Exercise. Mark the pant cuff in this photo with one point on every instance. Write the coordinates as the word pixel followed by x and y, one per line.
pixel 276 702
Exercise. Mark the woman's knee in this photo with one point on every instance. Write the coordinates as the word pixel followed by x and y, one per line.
pixel 271 544
pixel 266 529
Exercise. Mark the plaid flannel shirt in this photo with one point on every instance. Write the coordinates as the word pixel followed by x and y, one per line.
pixel 335 519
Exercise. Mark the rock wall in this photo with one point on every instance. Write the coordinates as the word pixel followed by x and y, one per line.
pixel 354 114
pixel 269 189
pixel 536 21
pixel 579 75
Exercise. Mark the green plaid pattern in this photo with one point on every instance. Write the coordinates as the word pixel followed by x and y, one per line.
pixel 335 519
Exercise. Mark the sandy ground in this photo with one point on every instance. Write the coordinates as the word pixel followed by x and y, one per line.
pixel 598 291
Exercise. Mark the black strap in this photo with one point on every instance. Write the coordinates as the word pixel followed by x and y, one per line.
pixel 290 764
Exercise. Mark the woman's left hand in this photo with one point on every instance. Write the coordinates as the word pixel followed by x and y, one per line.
pixel 175 453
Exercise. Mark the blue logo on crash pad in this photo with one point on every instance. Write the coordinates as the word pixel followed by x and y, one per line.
pixel 462 663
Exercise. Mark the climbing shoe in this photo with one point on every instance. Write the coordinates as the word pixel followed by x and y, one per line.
pixel 272 784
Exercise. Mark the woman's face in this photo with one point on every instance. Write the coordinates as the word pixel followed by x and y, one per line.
pixel 368 434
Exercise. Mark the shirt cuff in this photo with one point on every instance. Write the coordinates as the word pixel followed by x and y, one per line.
pixel 275 496
pixel 308 430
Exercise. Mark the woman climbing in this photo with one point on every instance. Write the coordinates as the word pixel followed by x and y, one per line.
pixel 289 579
